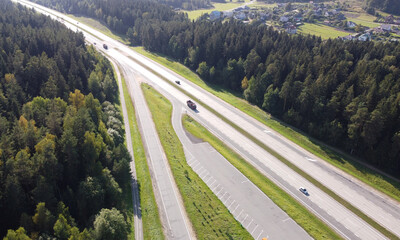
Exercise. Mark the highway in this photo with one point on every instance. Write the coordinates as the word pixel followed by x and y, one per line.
pixel 337 216
pixel 373 203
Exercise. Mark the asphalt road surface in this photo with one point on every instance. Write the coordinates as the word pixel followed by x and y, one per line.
pixel 373 203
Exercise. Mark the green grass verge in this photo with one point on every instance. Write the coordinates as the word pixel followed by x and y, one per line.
pixel 362 18
pixel 128 210
pixel 364 23
pixel 152 228
pixel 321 30
pixel 288 163
pixel 101 27
pixel 209 217
pixel 127 190
pixel 313 225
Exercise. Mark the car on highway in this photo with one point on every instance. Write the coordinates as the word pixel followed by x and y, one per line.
pixel 178 82
pixel 191 104
pixel 303 190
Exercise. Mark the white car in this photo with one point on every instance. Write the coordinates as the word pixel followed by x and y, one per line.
pixel 303 190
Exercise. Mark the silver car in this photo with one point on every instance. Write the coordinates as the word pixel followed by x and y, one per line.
pixel 303 190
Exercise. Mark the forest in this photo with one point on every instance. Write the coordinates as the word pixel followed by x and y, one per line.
pixel 63 163
pixel 389 6
pixel 344 93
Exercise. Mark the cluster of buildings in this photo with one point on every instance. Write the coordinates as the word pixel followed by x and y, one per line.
pixel 288 18
pixel 389 25
pixel 391 20
pixel 381 32
pixel 241 13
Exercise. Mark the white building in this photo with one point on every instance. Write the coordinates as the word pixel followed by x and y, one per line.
pixel 228 14
pixel 386 27
pixel 291 30
pixel 240 16
pixel 284 19
pixel 351 24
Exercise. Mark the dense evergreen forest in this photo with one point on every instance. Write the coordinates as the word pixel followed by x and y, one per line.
pixel 63 164
pixel 389 6
pixel 344 93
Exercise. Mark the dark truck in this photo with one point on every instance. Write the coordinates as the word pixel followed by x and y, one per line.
pixel 105 46
pixel 191 104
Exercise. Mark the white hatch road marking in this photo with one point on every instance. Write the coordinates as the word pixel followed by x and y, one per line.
pixel 260 234
pixel 250 223
pixel 240 214
pixel 254 230
pixel 235 209
pixel 213 183
pixel 231 203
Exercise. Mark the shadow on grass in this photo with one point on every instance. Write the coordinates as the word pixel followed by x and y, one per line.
pixel 124 38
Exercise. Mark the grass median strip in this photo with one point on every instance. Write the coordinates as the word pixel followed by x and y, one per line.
pixel 152 228
pixel 318 184
pixel 313 225
pixel 209 217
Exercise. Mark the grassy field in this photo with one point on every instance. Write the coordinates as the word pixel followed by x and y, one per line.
pixel 314 226
pixel 152 228
pixel 260 5
pixel 387 14
pixel 362 18
pixel 321 30
pixel 100 27
pixel 209 217
pixel 193 15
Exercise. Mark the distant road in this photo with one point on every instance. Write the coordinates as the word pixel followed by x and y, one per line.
pixel 373 203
